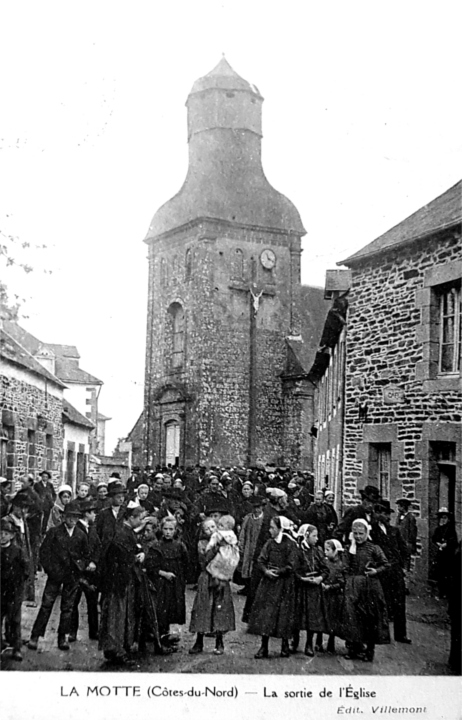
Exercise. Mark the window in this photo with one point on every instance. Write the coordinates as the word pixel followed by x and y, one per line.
pixel 49 446
pixel 175 327
pixel 31 450
pixel 70 463
pixel 238 265
pixel 3 452
pixel 439 302
pixel 449 299
pixel 380 467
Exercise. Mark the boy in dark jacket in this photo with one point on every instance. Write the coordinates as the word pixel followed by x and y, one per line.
pixel 13 569
pixel 64 555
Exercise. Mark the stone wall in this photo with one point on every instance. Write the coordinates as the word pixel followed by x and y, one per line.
pixel 207 270
pixel 30 407
pixel 387 323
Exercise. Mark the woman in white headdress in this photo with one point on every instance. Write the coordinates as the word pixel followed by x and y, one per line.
pixel 272 613
pixel 364 613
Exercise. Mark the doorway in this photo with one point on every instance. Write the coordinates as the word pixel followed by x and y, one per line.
pixel 172 443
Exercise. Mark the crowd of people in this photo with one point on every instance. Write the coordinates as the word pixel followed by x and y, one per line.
pixel 132 548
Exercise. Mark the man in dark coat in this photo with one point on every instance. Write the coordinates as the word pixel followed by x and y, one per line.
pixel 20 504
pixel 46 492
pixel 277 505
pixel 110 518
pixel 133 481
pixel 14 569
pixel 5 496
pixel 369 496
pixel 407 525
pixel 120 584
pixel 88 582
pixel 321 516
pixel 34 517
pixel 64 555
pixel 389 539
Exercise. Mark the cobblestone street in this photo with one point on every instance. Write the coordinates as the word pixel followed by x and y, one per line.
pixel 427 626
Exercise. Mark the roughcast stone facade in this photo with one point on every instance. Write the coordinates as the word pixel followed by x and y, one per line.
pixel 224 295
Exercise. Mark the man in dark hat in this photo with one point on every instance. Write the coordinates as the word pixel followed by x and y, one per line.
pixel 133 481
pixel 88 582
pixel 277 505
pixel 120 577
pixel 109 518
pixel 46 492
pixel 248 536
pixel 369 496
pixel 407 525
pixel 20 505
pixel 64 555
pixel 14 571
pixel 389 539
pixel 5 496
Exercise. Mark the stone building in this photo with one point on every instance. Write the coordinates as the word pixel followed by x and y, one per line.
pixel 224 326
pixel 82 388
pixel 31 403
pixel 403 400
pixel 327 376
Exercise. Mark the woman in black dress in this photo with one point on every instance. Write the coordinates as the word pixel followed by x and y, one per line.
pixel 364 613
pixel 445 539
pixel 272 613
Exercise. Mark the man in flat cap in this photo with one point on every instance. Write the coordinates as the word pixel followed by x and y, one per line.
pixel 63 555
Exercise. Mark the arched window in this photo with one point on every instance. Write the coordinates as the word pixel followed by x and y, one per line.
pixel 238 264
pixel 188 265
pixel 176 314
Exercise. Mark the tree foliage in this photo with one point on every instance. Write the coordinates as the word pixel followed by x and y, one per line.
pixel 15 256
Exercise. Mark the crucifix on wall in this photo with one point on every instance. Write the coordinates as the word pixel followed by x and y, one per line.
pixel 255 294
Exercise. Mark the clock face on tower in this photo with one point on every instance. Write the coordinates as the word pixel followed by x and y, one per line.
pixel 268 259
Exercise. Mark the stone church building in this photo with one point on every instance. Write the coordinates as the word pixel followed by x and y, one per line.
pixel 226 353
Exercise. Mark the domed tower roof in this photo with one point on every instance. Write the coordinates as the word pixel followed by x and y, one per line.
pixel 223 76
pixel 225 179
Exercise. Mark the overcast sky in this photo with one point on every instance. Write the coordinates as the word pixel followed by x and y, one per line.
pixel 361 124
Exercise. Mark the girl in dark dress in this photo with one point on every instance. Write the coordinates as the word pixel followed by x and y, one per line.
pixel 272 613
pixel 166 566
pixel 333 587
pixel 213 610
pixel 364 612
pixel 311 572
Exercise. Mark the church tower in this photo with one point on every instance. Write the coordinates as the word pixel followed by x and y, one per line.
pixel 224 287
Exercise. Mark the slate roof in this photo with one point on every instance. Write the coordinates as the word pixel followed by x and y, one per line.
pixel 68 370
pixel 12 351
pixel 66 356
pixel 64 351
pixel 71 415
pixel 226 184
pixel 223 76
pixel 442 213
pixel 314 309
